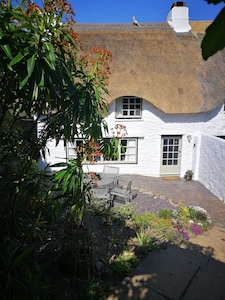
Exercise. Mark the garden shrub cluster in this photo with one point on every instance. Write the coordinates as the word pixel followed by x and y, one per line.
pixel 149 231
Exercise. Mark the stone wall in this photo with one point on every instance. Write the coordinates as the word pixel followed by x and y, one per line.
pixel 211 163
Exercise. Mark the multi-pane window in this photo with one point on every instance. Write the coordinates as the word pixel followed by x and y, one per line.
pixel 127 151
pixel 170 151
pixel 128 107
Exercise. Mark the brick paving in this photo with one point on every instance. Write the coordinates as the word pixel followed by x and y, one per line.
pixel 149 193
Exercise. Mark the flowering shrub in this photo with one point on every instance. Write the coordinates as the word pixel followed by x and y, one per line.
pixel 197 230
pixel 185 222
pixel 177 236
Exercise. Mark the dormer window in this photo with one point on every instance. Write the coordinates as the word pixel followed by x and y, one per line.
pixel 128 107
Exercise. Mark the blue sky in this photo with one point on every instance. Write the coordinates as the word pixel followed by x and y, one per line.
pixel 121 11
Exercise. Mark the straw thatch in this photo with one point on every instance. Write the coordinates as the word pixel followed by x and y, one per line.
pixel 159 65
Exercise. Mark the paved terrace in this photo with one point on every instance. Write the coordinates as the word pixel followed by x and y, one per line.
pixel 191 272
pixel 186 192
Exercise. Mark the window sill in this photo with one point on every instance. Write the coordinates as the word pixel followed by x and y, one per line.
pixel 127 120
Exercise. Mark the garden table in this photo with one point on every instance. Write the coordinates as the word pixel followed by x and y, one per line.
pixel 103 185
pixel 106 180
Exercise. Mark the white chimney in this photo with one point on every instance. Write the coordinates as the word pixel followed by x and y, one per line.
pixel 178 17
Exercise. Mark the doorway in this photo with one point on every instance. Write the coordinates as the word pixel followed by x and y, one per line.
pixel 170 155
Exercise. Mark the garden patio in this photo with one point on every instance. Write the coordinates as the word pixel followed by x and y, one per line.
pixel 194 270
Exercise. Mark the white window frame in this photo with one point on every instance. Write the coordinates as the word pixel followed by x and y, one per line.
pixel 127 153
pixel 129 107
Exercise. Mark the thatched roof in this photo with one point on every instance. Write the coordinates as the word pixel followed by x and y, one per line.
pixel 159 65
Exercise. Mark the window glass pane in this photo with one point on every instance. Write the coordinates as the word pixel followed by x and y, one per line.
pixel 129 107
pixel 138 112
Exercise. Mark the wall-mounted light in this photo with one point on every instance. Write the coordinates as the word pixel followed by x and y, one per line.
pixel 189 137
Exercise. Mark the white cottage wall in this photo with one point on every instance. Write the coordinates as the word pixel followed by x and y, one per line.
pixel 149 129
pixel 211 165
pixel 53 154
pixel 154 124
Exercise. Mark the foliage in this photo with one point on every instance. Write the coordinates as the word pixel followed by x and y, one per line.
pixel 126 211
pixel 188 175
pixel 183 212
pixel 44 78
pixel 165 213
pixel 213 40
pixel 124 263
pixel 147 232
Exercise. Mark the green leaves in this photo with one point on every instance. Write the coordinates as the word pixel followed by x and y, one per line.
pixel 71 182
pixel 7 51
pixel 214 40
pixel 30 68
pixel 49 55
pixel 16 59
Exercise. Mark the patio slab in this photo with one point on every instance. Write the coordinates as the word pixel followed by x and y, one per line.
pixel 194 272
pixel 164 274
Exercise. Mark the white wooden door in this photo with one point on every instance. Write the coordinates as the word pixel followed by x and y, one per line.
pixel 170 155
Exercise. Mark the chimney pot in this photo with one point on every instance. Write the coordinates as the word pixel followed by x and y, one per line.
pixel 178 17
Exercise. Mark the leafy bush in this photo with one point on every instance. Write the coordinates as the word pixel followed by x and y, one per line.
pixel 165 213
pixel 126 211
pixel 124 263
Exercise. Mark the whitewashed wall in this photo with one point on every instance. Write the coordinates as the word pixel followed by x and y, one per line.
pixel 53 154
pixel 211 164
pixel 154 124
pixel 149 130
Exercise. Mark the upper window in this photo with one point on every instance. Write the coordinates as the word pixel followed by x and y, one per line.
pixel 128 108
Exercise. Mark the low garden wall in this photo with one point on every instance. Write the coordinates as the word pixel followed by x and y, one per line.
pixel 210 164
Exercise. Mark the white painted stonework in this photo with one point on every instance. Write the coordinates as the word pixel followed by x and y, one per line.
pixel 211 164
pixel 201 151
pixel 178 18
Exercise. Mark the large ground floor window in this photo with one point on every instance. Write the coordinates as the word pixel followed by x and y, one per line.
pixel 127 151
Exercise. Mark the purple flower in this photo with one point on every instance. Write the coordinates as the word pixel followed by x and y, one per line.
pixel 197 230
pixel 184 233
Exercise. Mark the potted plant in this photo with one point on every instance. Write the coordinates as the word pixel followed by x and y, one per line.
pixel 188 175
